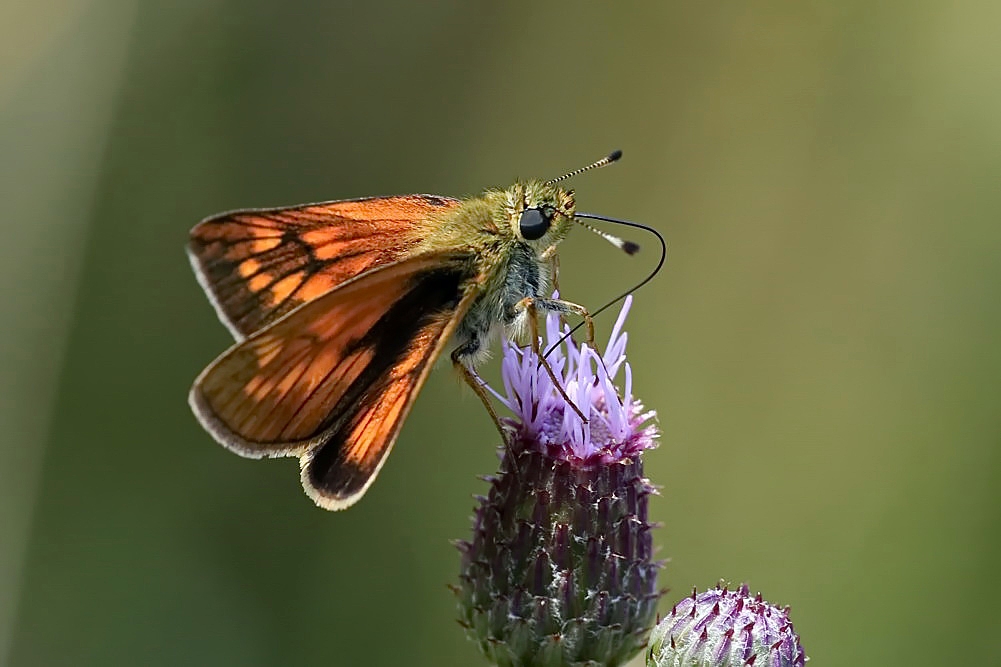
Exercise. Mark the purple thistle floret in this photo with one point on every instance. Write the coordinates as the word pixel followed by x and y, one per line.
pixel 617 428
pixel 560 568
pixel 724 628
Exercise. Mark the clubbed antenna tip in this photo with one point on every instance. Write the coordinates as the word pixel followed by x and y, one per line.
pixel 608 159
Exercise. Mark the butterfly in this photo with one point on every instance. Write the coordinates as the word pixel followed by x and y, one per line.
pixel 340 309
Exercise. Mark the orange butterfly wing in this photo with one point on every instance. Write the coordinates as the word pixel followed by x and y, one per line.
pixel 332 381
pixel 258 265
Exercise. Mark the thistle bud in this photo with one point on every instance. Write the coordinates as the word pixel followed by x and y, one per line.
pixel 560 568
pixel 723 628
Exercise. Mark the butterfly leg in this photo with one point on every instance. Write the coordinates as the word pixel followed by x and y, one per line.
pixel 554 272
pixel 569 308
pixel 477 384
pixel 530 306
pixel 473 379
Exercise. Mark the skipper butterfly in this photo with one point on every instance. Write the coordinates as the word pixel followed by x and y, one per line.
pixel 339 310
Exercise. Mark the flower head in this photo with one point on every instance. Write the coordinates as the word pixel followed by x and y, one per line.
pixel 617 428
pixel 724 628
pixel 560 567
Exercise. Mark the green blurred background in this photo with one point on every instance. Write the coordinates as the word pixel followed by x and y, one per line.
pixel 822 346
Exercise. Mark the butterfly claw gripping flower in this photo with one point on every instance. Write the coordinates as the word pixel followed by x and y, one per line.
pixel 724 628
pixel 560 568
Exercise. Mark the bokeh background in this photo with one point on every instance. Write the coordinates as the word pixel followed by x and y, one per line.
pixel 822 346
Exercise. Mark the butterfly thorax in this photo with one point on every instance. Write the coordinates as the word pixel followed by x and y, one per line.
pixel 512 261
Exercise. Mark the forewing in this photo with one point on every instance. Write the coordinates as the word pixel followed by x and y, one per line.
pixel 332 381
pixel 258 265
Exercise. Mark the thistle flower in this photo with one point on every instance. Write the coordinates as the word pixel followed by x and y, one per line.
pixel 560 567
pixel 723 628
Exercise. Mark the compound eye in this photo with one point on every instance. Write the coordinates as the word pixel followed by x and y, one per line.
pixel 535 223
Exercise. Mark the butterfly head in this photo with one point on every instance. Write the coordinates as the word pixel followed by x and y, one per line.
pixel 540 214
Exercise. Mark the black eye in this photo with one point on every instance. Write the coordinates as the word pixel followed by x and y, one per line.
pixel 535 223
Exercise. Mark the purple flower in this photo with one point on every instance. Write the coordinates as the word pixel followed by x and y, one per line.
pixel 617 427
pixel 724 628
pixel 560 566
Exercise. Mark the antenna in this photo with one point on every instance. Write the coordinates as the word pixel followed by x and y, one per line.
pixel 608 159
pixel 628 247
